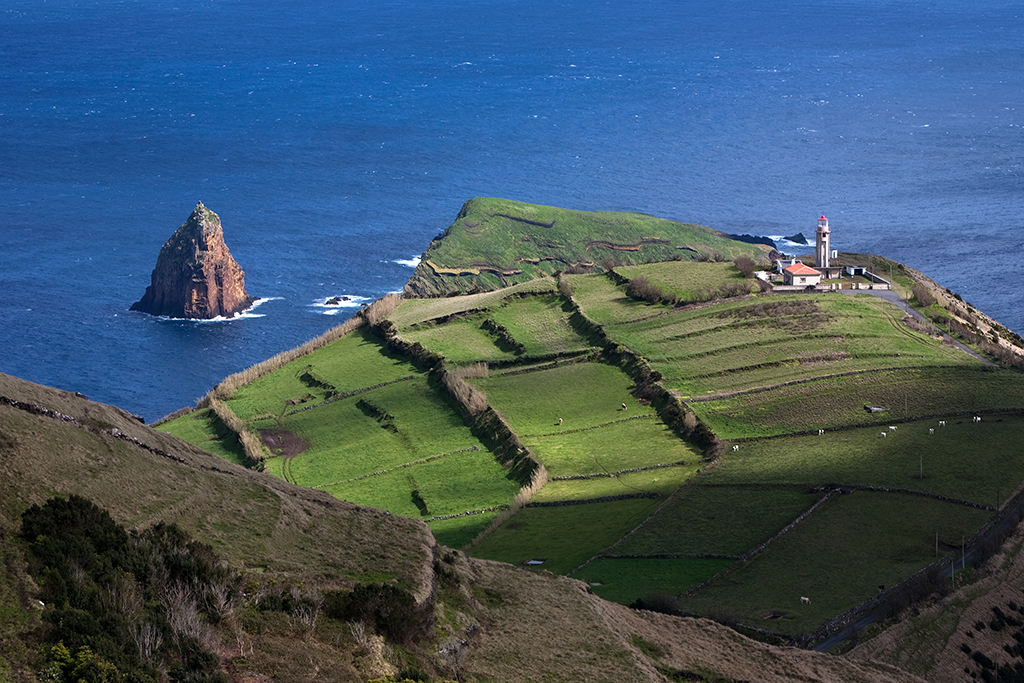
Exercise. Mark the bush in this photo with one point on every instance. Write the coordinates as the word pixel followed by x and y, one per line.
pixel 126 604
pixel 923 295
pixel 642 289
pixel 745 265
pixel 390 610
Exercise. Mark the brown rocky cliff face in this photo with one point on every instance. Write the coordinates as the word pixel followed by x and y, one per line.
pixel 195 274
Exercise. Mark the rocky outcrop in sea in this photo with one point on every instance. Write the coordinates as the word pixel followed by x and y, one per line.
pixel 195 274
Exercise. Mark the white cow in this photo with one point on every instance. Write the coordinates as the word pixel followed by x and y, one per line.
pixel 931 431
pixel 735 448
pixel 804 601
pixel 882 433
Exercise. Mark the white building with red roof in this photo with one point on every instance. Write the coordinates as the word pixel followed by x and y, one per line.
pixel 801 276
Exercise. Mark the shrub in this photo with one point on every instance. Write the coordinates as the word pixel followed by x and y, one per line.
pixel 390 610
pixel 923 295
pixel 745 265
pixel 642 289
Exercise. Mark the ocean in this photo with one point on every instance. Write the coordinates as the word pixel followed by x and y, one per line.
pixel 336 139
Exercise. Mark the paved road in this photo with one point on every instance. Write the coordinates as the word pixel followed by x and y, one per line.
pixel 893 297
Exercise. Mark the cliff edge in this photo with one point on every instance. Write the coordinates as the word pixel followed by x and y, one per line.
pixel 195 274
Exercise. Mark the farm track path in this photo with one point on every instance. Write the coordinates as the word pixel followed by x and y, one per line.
pixel 893 297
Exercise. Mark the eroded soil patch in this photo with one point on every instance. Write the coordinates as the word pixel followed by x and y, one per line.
pixel 283 442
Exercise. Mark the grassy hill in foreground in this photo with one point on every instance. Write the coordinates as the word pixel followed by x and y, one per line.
pixel 300 552
pixel 495 243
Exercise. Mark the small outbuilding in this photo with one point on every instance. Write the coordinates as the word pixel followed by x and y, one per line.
pixel 800 275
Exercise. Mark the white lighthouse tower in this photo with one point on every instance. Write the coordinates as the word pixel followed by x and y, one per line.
pixel 823 251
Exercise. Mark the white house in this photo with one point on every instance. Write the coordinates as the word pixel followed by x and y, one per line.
pixel 800 275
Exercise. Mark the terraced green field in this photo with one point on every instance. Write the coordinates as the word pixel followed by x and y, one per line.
pixel 754 343
pixel 204 429
pixel 563 537
pixel 631 507
pixel 838 557
pixel 688 280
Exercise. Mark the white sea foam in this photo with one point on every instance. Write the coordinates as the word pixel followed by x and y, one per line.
pixel 782 243
pixel 411 262
pixel 345 301
pixel 246 314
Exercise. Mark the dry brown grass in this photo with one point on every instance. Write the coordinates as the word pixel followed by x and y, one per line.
pixel 251 519
pixel 541 627
pixel 471 398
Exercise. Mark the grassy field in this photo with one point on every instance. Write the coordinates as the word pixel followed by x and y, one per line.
pixel 526 241
pixel 564 537
pixel 688 280
pixel 838 557
pixel 719 520
pixel 541 324
pixel 460 341
pixel 355 361
pixel 581 394
pixel 611 448
pixel 751 343
pixel 605 302
pixel 840 401
pixel 963 460
pixel 624 580
pixel 203 428
pixel 413 311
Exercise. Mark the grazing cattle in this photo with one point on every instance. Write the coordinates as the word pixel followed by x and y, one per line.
pixel 942 423
pixel 623 406
pixel 735 448
pixel 820 432
pixel 931 431
pixel 559 420
pixel 891 428
pixel 804 601
pixel 977 419
pixel 882 433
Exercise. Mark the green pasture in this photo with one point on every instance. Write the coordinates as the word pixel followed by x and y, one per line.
pixel 345 442
pixel 541 324
pixel 460 341
pixel 604 302
pixel 507 234
pixel 687 279
pixel 623 580
pixel 725 348
pixel 456 483
pixel 566 536
pixel 412 311
pixel 661 481
pixel 718 520
pixel 837 557
pixel 582 394
pixel 355 361
pixel 839 401
pixel 460 531
pixel 611 448
pixel 204 429
pixel 963 460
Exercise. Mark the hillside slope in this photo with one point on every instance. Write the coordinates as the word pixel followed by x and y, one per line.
pixel 496 622
pixel 495 243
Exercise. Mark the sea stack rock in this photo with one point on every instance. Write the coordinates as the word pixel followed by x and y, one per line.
pixel 195 274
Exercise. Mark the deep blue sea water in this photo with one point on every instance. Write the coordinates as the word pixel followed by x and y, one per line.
pixel 335 139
